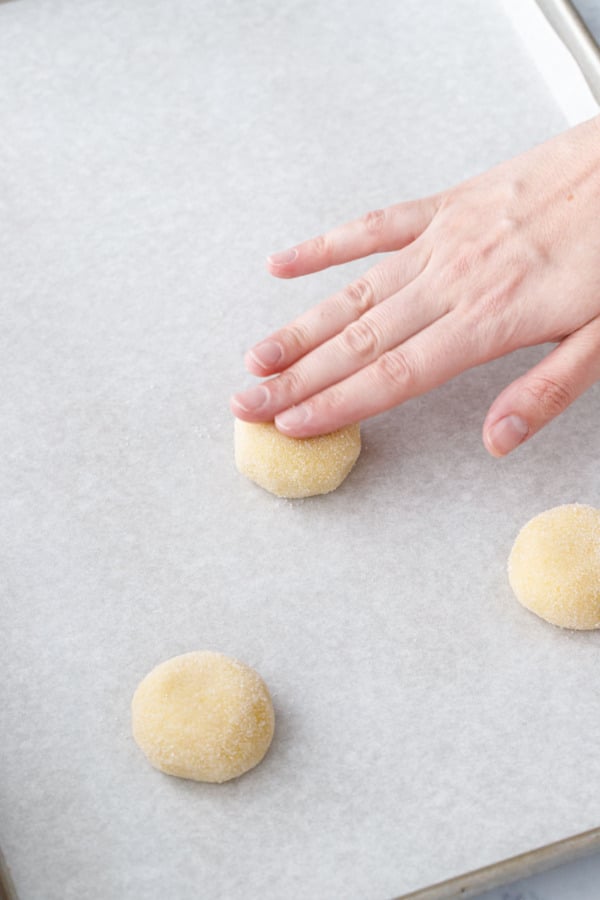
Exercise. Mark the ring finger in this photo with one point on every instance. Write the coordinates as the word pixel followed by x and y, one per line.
pixel 313 328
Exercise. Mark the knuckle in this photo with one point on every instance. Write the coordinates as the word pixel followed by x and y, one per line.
pixel 452 267
pixel 508 224
pixel 291 383
pixel 362 339
pixel 395 369
pixel 450 202
pixel 295 339
pixel 331 400
pixel 514 189
pixel 486 308
pixel 321 246
pixel 473 260
pixel 374 221
pixel 462 264
pixel 550 397
pixel 358 297
pixel 494 313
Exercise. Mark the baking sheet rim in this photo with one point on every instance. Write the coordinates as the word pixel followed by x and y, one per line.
pixel 572 30
pixel 511 869
pixel 471 883
pixel 7 888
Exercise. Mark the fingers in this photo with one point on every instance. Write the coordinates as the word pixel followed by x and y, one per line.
pixel 378 231
pixel 423 362
pixel 324 321
pixel 536 398
pixel 387 325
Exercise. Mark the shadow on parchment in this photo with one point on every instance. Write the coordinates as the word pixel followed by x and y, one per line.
pixel 446 423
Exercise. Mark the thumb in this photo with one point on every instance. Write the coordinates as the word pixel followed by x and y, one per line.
pixel 537 397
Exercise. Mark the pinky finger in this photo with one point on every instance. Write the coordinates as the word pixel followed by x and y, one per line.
pixel 533 400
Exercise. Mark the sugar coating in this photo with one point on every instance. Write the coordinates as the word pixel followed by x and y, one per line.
pixel 554 566
pixel 295 467
pixel 203 716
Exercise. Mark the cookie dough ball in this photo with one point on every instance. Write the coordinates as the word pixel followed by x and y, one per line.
pixel 295 467
pixel 554 566
pixel 203 716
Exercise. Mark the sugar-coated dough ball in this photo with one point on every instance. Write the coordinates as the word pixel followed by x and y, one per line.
pixel 295 467
pixel 203 716
pixel 554 566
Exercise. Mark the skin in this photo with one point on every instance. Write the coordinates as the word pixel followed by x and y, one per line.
pixel 508 259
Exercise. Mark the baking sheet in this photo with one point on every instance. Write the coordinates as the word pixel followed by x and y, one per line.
pixel 150 156
pixel 569 66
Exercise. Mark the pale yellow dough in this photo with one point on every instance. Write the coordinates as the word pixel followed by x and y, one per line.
pixel 554 566
pixel 292 467
pixel 203 716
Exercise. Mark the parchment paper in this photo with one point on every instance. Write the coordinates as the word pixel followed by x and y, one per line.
pixel 552 58
pixel 151 154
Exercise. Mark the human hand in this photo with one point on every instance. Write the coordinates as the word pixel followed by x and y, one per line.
pixel 508 259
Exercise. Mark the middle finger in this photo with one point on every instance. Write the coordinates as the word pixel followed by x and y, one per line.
pixel 391 322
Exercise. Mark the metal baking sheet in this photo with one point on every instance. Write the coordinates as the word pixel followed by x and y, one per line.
pixel 150 155
pixel 507 871
pixel 568 19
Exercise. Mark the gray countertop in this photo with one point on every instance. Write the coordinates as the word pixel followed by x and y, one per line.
pixel 590 12
pixel 577 880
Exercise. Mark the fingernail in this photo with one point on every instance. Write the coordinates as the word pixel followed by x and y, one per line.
pixel 507 434
pixel 283 257
pixel 292 418
pixel 266 354
pixel 253 399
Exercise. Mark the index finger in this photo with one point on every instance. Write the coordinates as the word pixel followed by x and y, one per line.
pixel 317 325
pixel 378 231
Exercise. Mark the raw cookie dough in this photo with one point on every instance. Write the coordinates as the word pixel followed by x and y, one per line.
pixel 203 716
pixel 554 566
pixel 293 467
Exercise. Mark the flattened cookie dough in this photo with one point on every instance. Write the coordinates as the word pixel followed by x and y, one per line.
pixel 293 467
pixel 203 716
pixel 554 566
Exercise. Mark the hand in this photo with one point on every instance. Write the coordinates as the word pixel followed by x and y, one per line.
pixel 505 260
